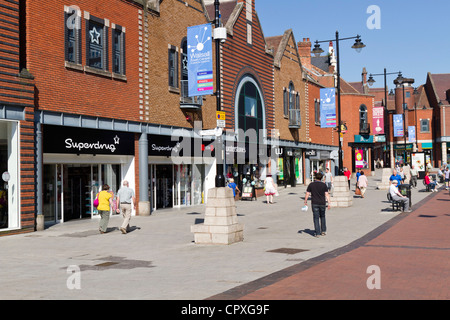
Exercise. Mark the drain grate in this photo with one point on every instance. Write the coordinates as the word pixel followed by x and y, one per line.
pixel 287 250
pixel 106 264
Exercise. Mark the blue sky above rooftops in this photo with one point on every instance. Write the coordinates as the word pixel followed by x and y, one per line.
pixel 411 36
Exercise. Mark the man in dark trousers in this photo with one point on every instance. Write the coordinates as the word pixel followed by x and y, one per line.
pixel 319 197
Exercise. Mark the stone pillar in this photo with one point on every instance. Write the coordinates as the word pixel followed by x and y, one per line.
pixel 40 221
pixel 444 153
pixel 342 197
pixel 384 184
pixel 220 225
pixel 144 203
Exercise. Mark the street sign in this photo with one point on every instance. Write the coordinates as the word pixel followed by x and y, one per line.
pixel 220 117
pixel 212 132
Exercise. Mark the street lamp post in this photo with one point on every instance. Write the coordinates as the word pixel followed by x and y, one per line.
pixel 371 81
pixel 358 46
pixel 220 178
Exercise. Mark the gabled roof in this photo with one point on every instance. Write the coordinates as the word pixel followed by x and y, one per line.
pixel 440 84
pixel 279 45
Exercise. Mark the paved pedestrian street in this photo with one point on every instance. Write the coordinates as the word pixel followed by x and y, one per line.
pixel 278 259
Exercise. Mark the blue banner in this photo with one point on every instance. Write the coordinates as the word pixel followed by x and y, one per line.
pixel 200 60
pixel 398 125
pixel 411 134
pixel 328 108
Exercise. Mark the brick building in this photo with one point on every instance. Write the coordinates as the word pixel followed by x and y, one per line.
pixel 85 69
pixel 247 91
pixel 290 106
pixel 17 159
pixel 434 119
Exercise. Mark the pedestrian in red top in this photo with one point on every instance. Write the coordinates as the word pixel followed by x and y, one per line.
pixel 348 174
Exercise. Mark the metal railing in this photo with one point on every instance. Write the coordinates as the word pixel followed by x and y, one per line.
pixel 185 100
pixel 364 128
pixel 295 118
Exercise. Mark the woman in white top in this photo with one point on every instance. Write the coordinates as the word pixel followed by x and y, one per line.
pixel 269 190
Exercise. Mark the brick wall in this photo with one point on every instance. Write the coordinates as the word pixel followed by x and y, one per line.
pixel 69 90
pixel 239 58
pixel 289 70
pixel 168 28
pixel 17 92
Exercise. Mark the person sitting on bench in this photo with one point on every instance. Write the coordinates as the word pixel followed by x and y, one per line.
pixel 397 196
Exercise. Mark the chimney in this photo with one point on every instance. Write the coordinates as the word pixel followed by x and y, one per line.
pixel 304 50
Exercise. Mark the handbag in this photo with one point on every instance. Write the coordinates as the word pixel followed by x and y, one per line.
pixel 96 201
pixel 358 191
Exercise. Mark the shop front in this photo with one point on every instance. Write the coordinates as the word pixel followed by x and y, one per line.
pixel 290 167
pixel 317 161
pixel 77 162
pixel 9 172
pixel 178 182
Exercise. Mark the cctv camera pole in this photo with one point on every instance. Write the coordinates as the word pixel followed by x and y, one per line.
pixel 220 179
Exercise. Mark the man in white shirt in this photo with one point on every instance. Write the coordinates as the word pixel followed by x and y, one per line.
pixel 397 196
pixel 125 202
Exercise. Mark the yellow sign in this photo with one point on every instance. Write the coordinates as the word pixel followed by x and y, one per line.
pixel 220 117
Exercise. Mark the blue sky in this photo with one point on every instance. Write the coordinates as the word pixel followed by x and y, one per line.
pixel 414 35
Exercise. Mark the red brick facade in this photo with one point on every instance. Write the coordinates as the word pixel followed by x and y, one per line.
pixel 17 96
pixel 74 88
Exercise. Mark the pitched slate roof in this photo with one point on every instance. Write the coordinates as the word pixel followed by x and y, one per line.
pixel 441 83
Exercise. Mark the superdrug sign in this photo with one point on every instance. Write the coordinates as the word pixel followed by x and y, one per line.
pixel 70 140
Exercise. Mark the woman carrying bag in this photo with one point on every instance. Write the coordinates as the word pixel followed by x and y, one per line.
pixel 105 204
pixel 362 183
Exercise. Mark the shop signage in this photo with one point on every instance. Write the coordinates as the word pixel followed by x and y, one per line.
pixel 200 60
pixel 71 140
pixel 328 108
pixel 363 139
pixel 311 153
pixel 380 138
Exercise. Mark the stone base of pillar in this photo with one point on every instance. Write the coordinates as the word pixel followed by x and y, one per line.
pixel 220 225
pixel 40 222
pixel 342 197
pixel 144 208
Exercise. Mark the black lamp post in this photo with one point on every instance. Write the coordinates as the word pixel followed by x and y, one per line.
pixel 400 80
pixel 358 46
pixel 220 178
pixel 371 81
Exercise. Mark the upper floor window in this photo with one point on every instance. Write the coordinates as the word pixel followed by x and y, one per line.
pixel 424 125
pixel 72 35
pixel 317 112
pixel 118 50
pixel 96 44
pixel 173 66
pixel 363 119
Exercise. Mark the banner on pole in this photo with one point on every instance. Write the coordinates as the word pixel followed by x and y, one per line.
pixel 200 60
pixel 411 134
pixel 398 125
pixel 378 120
pixel 328 108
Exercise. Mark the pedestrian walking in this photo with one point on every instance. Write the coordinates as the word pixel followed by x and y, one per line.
pixel 397 196
pixel 233 186
pixel 319 197
pixel 269 189
pixel 363 183
pixel 105 204
pixel 328 179
pixel 414 175
pixel 348 174
pixel 126 202
pixel 447 177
